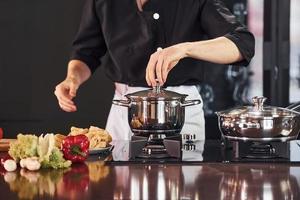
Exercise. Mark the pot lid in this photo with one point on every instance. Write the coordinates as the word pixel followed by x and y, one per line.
pixel 157 93
pixel 258 110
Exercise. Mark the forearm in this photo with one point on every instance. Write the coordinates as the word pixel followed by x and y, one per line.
pixel 78 70
pixel 220 50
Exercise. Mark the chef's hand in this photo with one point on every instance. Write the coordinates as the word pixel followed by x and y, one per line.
pixel 65 92
pixel 162 61
pixel 78 72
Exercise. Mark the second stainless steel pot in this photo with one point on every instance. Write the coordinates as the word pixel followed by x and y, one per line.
pixel 156 111
pixel 259 122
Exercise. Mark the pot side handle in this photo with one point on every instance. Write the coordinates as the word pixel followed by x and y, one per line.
pixel 190 102
pixel 294 106
pixel 124 103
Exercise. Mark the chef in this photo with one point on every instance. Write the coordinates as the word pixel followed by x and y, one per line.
pixel 141 43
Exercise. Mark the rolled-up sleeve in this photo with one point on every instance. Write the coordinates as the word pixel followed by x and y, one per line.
pixel 89 45
pixel 217 20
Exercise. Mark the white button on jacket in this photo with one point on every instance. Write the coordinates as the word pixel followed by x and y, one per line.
pixel 156 16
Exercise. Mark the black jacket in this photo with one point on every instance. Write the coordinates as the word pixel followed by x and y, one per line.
pixel 126 37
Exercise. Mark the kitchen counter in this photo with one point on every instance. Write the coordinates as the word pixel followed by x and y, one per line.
pixel 103 178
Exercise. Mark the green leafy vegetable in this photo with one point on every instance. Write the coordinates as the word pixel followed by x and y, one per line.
pixel 56 160
pixel 24 147
pixel 28 146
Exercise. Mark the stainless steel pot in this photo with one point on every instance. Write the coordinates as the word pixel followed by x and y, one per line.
pixel 156 111
pixel 259 122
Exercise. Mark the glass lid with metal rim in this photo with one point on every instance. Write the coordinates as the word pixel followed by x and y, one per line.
pixel 157 93
pixel 258 110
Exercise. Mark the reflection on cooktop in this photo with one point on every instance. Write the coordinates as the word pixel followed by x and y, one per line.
pixel 217 151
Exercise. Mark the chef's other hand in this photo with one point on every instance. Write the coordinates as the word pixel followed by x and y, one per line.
pixel 65 92
pixel 78 72
pixel 162 61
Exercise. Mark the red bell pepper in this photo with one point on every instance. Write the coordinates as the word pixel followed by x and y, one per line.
pixel 75 148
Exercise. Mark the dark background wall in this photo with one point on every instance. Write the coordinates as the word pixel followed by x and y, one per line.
pixel 35 40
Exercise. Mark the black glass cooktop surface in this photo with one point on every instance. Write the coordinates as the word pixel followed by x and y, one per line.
pixel 200 151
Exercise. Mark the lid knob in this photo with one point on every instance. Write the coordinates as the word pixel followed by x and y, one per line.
pixel 157 87
pixel 259 102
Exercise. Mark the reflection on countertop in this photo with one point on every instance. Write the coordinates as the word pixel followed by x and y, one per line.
pixel 100 180
pixel 211 181
pixel 71 183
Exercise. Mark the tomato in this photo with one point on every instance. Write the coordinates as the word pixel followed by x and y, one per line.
pixel 1 133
